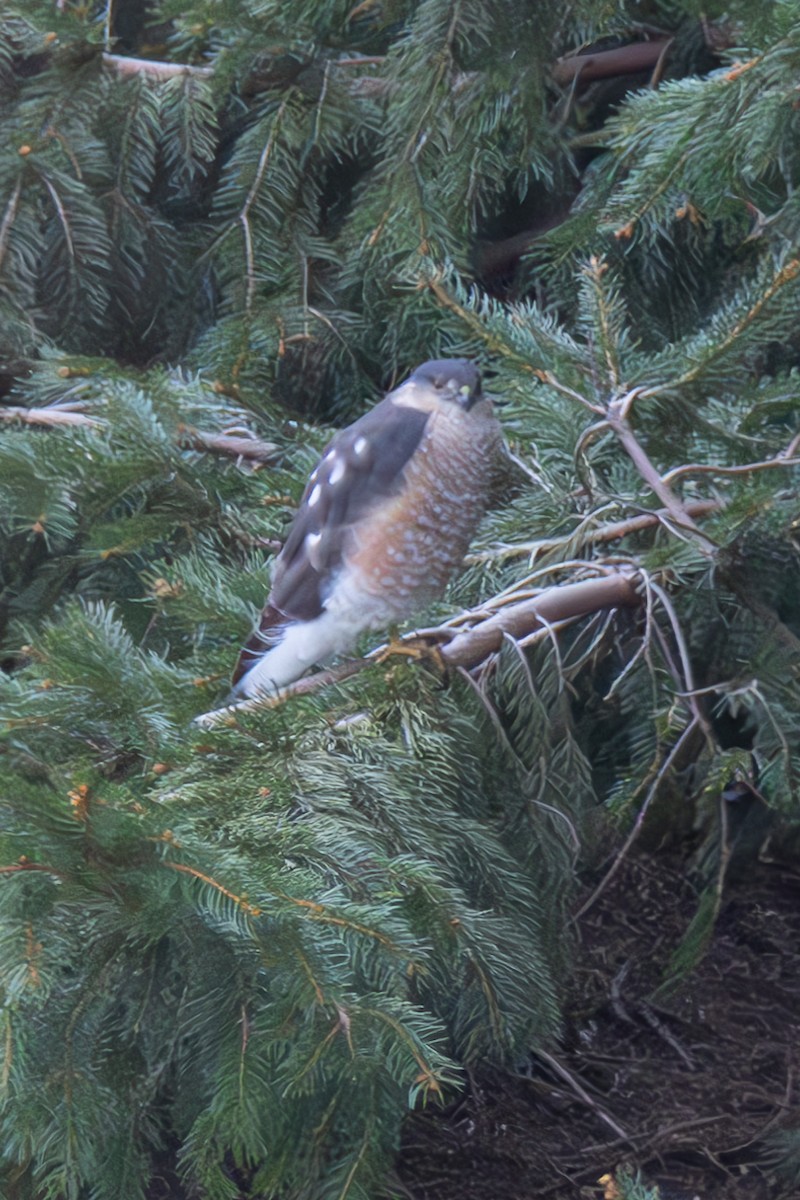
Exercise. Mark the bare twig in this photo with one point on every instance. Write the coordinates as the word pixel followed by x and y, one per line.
pixel 53 415
pixel 686 665
pixel 635 831
pixel 780 460
pixel 237 446
pixel 8 217
pixel 658 70
pixel 311 683
pixel 583 534
pixel 146 66
pixel 244 215
pixel 652 1019
pixel 653 1137
pixel 246 446
pixel 581 1092
pixel 617 419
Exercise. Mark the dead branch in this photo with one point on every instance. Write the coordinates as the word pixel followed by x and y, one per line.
pixel 497 257
pixel 246 446
pixel 581 1093
pixel 560 603
pixel 663 770
pixel 368 60
pixel 473 646
pixel 780 460
pixel 147 66
pixel 611 532
pixel 621 60
pixel 620 529
pixel 617 418
pixel 237 446
pixel 54 415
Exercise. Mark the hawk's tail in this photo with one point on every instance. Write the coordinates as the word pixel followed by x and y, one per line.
pixel 266 634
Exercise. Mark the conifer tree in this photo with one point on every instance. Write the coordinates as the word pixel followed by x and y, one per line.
pixel 235 956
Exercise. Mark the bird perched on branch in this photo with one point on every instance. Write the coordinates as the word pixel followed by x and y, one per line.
pixel 385 519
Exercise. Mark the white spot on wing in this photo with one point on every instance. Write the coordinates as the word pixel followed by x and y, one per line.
pixel 314 496
pixel 313 540
pixel 360 446
pixel 337 471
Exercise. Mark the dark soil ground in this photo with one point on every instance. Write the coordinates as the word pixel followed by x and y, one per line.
pixel 686 1087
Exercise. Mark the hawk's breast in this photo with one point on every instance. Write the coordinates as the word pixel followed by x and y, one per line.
pixel 405 552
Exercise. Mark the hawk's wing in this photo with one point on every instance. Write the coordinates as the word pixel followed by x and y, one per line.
pixel 361 467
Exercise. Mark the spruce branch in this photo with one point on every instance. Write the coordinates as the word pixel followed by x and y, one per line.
pixel 719 347
pixel 496 344
pixel 427 1071
pixel 64 221
pixel 550 379
pixel 625 232
pixel 8 217
pixel 239 901
pixel 250 199
pixel 25 865
pixel 312 909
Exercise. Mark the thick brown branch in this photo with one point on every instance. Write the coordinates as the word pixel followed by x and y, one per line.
pixel 474 646
pixel 622 60
pixel 493 258
pixel 560 603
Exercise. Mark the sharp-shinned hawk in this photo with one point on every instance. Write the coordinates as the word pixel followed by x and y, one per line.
pixel 385 519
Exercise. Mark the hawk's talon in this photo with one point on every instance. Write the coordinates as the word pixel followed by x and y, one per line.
pixel 425 648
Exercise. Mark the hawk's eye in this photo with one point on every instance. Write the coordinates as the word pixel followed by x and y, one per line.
pixel 438 383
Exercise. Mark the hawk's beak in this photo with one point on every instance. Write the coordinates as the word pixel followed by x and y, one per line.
pixel 466 397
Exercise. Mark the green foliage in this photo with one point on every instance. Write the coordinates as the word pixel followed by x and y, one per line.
pixel 629 1185
pixel 783 1151
pixel 241 955
pixel 261 962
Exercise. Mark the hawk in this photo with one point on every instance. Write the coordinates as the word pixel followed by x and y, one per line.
pixel 385 519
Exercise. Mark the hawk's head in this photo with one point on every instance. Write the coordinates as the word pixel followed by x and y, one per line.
pixel 442 381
